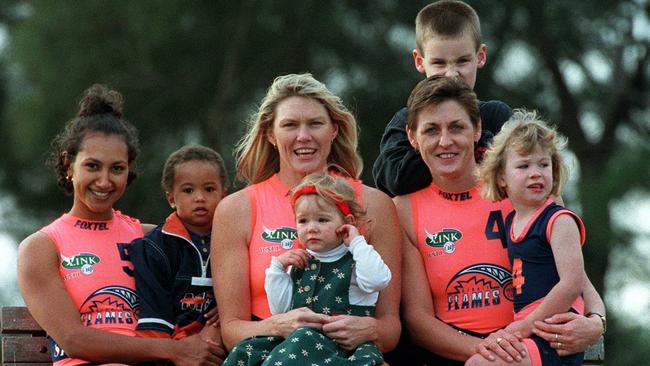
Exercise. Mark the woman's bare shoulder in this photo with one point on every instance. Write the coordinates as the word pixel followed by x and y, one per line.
pixel 374 197
pixel 234 203
pixel 37 241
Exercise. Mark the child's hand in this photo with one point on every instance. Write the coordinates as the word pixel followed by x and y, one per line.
pixel 522 328
pixel 212 334
pixel 212 317
pixel 347 232
pixel 297 257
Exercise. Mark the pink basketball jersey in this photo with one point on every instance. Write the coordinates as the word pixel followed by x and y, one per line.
pixel 97 273
pixel 459 239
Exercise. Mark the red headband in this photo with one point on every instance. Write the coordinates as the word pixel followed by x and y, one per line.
pixel 311 189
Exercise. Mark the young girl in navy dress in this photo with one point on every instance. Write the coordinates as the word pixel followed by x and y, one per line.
pixel 544 239
pixel 338 273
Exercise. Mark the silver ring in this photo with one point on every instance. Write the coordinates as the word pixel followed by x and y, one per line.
pixel 556 337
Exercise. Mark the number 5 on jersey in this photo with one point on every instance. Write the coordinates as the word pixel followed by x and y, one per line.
pixel 123 249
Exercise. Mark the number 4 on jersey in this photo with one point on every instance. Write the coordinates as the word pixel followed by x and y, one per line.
pixel 495 227
pixel 518 278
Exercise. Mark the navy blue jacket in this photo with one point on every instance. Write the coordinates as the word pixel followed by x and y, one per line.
pixel 172 280
pixel 399 169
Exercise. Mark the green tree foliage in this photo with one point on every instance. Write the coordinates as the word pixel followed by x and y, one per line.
pixel 586 68
pixel 190 72
pixel 590 75
pixel 193 72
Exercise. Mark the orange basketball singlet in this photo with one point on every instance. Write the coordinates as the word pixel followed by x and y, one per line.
pixel 97 273
pixel 459 239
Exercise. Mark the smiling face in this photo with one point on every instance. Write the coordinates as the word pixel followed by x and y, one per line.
pixel 196 192
pixel 527 178
pixel 451 56
pixel 445 137
pixel 316 223
pixel 99 175
pixel 302 133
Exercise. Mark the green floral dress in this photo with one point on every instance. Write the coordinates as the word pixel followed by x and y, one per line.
pixel 324 288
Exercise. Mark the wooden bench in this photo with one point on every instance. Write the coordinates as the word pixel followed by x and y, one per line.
pixel 24 341
pixel 595 355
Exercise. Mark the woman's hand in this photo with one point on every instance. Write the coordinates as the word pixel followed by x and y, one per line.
pixel 284 324
pixel 195 350
pixel 350 331
pixel 297 257
pixel 569 333
pixel 212 335
pixel 505 345
pixel 347 232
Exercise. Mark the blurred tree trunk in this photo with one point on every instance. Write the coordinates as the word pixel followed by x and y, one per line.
pixel 221 112
pixel 596 190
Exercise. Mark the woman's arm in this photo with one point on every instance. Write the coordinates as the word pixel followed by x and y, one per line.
pixel 575 332
pixel 385 234
pixel 231 230
pixel 45 295
pixel 384 328
pixel 565 244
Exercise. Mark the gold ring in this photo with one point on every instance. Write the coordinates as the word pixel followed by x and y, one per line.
pixel 559 344
pixel 499 339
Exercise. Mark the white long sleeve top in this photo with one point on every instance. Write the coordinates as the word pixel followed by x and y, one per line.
pixel 370 275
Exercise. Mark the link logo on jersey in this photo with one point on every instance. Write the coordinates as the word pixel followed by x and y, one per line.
pixel 477 286
pixel 284 236
pixel 445 239
pixel 110 305
pixel 85 262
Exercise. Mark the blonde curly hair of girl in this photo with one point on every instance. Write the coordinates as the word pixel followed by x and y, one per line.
pixel 524 131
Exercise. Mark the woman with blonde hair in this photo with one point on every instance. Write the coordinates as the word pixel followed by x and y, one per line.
pixel 300 128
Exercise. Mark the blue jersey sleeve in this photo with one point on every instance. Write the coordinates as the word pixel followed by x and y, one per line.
pixel 154 281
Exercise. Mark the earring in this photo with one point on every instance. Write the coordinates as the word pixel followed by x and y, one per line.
pixel 69 178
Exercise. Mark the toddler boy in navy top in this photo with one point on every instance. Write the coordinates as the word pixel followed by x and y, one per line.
pixel 448 38
pixel 172 262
